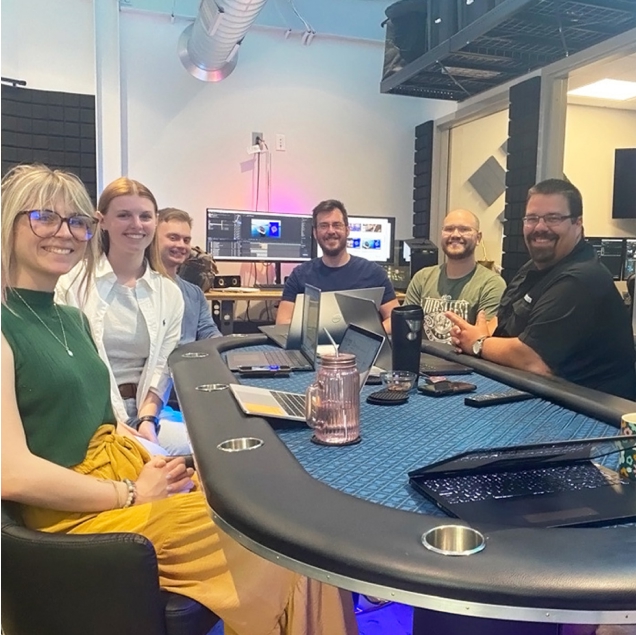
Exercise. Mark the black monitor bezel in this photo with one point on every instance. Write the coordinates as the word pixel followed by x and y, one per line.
pixel 274 215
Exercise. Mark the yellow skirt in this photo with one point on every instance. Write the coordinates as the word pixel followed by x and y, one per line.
pixel 251 595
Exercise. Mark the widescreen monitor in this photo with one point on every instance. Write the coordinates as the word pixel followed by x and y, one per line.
pixel 371 237
pixel 258 236
pixel 610 252
pixel 629 265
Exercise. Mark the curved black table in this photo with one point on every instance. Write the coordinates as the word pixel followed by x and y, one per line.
pixel 269 503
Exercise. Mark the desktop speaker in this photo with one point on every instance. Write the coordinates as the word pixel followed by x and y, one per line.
pixel 423 254
pixel 222 282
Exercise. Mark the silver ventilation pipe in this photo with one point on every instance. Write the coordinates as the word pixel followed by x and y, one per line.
pixel 209 47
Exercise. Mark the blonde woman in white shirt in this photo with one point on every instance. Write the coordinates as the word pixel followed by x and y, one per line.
pixel 134 310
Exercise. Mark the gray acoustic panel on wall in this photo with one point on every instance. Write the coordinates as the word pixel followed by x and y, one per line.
pixel 489 181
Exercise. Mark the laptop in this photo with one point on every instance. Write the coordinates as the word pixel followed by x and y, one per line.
pixel 363 313
pixel 302 359
pixel 279 404
pixel 543 485
pixel 331 318
pixel 289 335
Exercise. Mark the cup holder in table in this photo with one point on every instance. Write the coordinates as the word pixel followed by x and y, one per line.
pixel 240 444
pixel 212 387
pixel 454 540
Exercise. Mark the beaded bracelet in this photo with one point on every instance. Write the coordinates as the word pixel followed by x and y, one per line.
pixel 132 493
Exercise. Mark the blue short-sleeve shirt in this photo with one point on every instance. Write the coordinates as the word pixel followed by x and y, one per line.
pixel 358 273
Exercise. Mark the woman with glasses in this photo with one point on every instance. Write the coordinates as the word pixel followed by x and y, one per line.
pixel 134 310
pixel 63 457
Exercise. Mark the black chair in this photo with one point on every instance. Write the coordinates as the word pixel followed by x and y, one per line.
pixel 102 584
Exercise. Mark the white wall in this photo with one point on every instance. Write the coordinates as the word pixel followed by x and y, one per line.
pixel 471 144
pixel 187 139
pixel 591 136
pixel 49 44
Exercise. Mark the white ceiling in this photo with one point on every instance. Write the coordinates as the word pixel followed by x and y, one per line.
pixel 346 18
pixel 363 19
pixel 613 68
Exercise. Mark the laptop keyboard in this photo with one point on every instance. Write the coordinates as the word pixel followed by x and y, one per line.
pixel 283 358
pixel 472 488
pixel 292 404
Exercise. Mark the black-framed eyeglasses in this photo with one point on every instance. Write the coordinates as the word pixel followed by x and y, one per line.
pixel 45 223
pixel 324 226
pixel 549 219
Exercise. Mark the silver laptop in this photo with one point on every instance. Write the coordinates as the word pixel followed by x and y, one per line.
pixel 278 404
pixel 289 335
pixel 303 359
pixel 331 318
pixel 364 313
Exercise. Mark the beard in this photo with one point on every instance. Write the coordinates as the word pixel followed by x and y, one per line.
pixel 466 252
pixel 331 251
pixel 544 253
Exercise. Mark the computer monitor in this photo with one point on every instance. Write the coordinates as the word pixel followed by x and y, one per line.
pixel 404 253
pixel 629 264
pixel 262 236
pixel 610 252
pixel 371 237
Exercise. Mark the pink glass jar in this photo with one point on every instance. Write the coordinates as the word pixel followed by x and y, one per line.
pixel 333 401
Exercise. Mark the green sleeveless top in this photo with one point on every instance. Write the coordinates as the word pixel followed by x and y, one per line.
pixel 62 399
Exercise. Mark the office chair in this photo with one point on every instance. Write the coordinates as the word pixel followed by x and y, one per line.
pixel 102 584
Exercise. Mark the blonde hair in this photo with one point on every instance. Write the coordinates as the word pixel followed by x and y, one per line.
pixel 172 213
pixel 29 187
pixel 124 186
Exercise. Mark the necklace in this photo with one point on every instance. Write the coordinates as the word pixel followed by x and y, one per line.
pixel 63 343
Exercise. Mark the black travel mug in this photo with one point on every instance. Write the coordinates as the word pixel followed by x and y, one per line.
pixel 406 333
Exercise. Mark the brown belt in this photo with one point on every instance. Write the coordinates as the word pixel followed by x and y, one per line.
pixel 128 391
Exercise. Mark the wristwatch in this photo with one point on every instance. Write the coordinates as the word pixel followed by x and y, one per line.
pixel 478 345
pixel 152 419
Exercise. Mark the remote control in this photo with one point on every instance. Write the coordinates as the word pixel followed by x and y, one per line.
pixel 495 398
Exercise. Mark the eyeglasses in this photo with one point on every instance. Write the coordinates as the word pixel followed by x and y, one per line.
pixel 45 223
pixel 463 230
pixel 549 219
pixel 338 226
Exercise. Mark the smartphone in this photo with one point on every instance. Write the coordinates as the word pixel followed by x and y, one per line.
pixel 446 388
pixel 268 370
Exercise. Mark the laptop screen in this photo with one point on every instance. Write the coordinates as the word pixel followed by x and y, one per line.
pixel 311 319
pixel 365 345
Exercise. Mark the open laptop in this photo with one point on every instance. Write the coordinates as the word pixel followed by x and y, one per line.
pixel 360 311
pixel 278 404
pixel 303 359
pixel 543 485
pixel 289 335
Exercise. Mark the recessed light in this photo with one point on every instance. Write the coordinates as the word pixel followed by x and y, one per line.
pixel 616 89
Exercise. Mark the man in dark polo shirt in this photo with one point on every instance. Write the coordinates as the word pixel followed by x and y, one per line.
pixel 561 315
pixel 336 269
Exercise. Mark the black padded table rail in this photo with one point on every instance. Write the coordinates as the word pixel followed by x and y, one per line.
pixel 266 500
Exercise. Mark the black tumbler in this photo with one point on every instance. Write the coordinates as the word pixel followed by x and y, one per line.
pixel 406 333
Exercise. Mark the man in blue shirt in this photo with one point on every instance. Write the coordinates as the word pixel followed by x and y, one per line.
pixel 174 235
pixel 336 269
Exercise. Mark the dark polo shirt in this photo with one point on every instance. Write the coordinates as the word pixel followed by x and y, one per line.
pixel 573 317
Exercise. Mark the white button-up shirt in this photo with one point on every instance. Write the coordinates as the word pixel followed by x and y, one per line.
pixel 161 304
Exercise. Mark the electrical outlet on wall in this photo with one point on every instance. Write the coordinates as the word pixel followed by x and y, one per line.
pixel 280 143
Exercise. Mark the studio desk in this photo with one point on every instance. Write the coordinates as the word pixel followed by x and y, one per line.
pixel 347 515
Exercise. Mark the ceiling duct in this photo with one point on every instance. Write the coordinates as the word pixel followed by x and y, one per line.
pixel 209 47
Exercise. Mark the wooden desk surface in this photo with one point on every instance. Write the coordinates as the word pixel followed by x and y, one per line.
pixel 257 295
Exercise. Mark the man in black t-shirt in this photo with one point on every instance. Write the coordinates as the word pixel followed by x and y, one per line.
pixel 561 315
pixel 336 269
